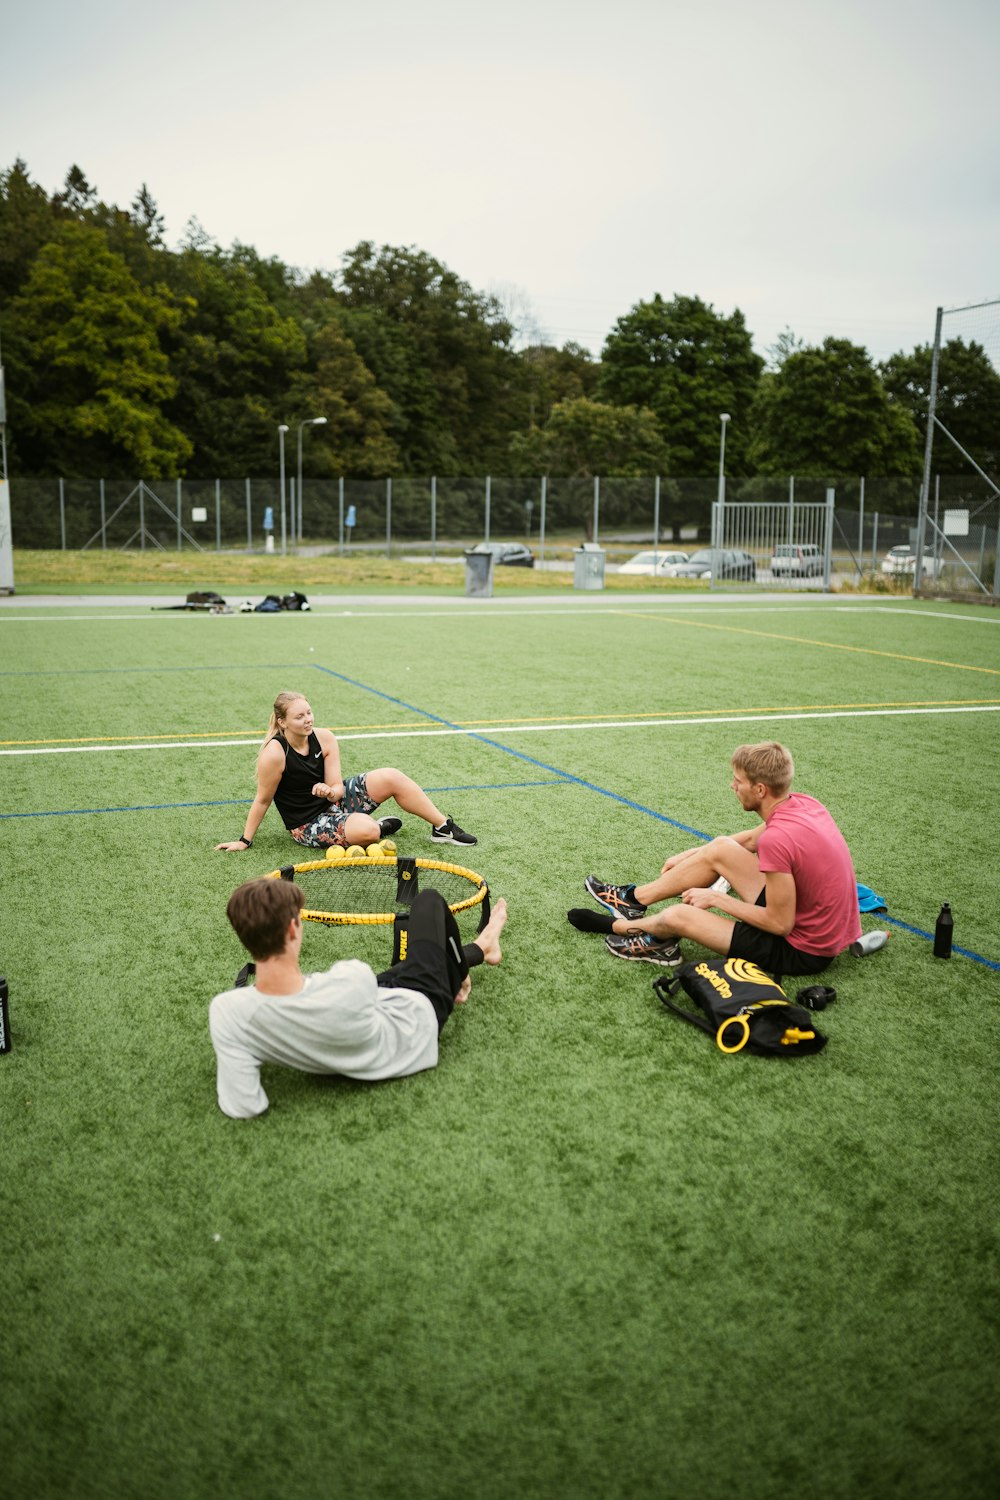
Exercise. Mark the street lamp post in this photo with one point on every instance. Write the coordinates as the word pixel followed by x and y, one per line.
pixel 281 482
pixel 723 419
pixel 309 422
pixel 720 540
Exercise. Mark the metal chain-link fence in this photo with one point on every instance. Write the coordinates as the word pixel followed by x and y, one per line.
pixel 955 517
pixel 442 517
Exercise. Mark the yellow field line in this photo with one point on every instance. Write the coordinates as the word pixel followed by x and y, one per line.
pixel 703 713
pixel 801 640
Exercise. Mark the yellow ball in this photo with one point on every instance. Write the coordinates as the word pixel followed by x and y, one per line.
pixel 355 851
pixel 387 846
pixel 334 852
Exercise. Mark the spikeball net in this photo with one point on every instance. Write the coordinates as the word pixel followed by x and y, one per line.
pixel 375 885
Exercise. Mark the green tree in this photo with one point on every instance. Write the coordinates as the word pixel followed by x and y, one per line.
pixel 968 401
pixel 441 352
pixel 146 216
pixel 87 374
pixel 234 357
pixel 136 234
pixel 826 413
pixel 78 199
pixel 785 344
pixel 583 438
pixel 312 300
pixel 27 221
pixel 276 280
pixel 356 439
pixel 689 364
pixel 551 375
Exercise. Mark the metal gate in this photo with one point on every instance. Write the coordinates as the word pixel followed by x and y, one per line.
pixel 785 545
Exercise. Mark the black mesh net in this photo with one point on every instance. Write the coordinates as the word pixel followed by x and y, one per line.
pixel 375 890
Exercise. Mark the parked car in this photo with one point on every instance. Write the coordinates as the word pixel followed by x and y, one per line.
pixel 798 561
pixel 659 564
pixel 725 562
pixel 507 554
pixel 902 560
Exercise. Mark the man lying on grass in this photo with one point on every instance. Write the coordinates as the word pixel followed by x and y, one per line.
pixel 347 1020
pixel 794 901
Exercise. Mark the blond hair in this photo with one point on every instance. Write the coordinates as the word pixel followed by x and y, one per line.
pixel 767 762
pixel 279 714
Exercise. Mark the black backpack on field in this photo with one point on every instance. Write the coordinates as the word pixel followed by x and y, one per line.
pixel 204 599
pixel 271 604
pixel 741 1008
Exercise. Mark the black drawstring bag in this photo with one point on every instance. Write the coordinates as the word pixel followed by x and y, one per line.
pixel 741 1008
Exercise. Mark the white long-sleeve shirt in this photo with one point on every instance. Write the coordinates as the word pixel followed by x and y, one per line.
pixel 339 1022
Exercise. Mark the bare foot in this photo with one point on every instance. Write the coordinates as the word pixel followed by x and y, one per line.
pixel 464 991
pixel 489 938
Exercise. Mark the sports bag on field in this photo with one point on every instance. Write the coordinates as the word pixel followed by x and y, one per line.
pixel 741 1008
pixel 271 604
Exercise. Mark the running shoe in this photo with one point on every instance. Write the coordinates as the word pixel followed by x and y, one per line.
pixel 618 899
pixel 646 948
pixel 386 826
pixel 450 833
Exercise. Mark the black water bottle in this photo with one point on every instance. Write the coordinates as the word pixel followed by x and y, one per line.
pixel 942 933
pixel 4 1018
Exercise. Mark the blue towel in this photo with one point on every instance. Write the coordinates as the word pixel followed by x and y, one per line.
pixel 868 901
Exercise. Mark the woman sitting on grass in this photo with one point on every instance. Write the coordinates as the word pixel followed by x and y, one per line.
pixel 298 769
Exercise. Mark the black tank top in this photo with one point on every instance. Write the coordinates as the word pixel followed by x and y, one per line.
pixel 294 797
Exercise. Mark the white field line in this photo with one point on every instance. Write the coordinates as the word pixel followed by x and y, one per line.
pixel 500 609
pixel 487 734
pixel 982 617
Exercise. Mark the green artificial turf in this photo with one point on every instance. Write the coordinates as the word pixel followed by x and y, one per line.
pixel 588 1256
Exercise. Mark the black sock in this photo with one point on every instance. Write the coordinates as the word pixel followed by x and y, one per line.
pixel 585 920
pixel 631 896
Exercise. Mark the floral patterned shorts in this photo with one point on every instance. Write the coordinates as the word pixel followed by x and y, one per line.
pixel 328 828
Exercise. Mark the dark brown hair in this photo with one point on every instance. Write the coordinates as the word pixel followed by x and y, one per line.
pixel 260 911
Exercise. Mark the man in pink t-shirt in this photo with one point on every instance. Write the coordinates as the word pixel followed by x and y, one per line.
pixel 791 903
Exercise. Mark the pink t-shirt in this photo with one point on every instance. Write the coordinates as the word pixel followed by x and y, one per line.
pixel 802 840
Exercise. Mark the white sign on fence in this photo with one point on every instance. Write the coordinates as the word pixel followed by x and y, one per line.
pixel 956 523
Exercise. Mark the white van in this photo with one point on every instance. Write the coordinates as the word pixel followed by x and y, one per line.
pixel 800 561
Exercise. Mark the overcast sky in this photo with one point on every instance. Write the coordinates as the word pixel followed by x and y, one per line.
pixel 830 168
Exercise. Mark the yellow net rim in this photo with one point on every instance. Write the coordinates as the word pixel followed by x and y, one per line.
pixel 348 919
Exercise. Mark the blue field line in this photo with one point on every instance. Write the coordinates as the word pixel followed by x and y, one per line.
pixel 78 812
pixel 965 952
pixel 542 765
pixel 590 786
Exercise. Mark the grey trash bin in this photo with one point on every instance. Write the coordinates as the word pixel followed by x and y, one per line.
pixel 588 566
pixel 479 574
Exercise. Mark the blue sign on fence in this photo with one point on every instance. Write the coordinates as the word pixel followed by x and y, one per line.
pixel 268 518
pixel 351 519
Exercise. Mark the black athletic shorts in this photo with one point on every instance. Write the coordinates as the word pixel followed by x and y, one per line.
pixel 435 964
pixel 774 954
